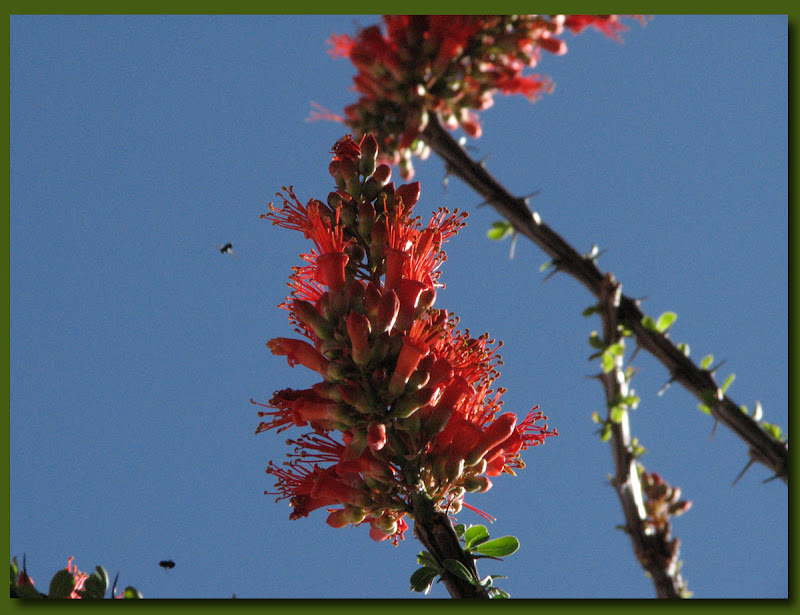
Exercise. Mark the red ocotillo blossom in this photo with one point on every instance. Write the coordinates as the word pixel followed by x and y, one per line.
pixel 451 65
pixel 405 407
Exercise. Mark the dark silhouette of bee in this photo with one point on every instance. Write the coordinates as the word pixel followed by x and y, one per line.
pixel 167 563
pixel 227 248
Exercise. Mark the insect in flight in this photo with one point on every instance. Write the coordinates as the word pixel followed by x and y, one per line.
pixel 166 563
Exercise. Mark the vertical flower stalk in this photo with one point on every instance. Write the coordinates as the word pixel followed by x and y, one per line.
pixel 405 416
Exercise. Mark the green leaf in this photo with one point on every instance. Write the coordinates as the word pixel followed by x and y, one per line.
pixel 684 348
pixel 649 323
pixel 596 417
pixel 545 266
pixel 499 594
pixel 427 560
pixel 709 397
pixel 458 569
pixel 617 413
pixel 422 579
pixel 704 408
pixel 475 535
pixel 727 382
pixel 605 433
pixel 95 586
pixel 665 321
pixel 460 529
pixel 131 593
pixel 706 361
pixel 632 401
pixel 608 362
pixel 61 585
pixel 772 430
pixel 616 349
pixel 500 230
pixel 499 547
pixel 592 309
pixel 595 341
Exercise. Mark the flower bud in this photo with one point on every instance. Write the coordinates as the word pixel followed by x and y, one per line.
pixel 366 218
pixel 358 328
pixel 410 195
pixel 477 484
pixel 388 308
pixel 369 154
pixel 307 313
pixel 410 355
pixel 376 436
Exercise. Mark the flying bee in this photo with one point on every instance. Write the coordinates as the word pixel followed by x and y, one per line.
pixel 166 563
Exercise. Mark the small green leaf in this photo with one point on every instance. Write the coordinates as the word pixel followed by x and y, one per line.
pixel 709 397
pixel 596 417
pixel 605 433
pixel 608 362
pixel 458 569
pixel 422 579
pixel 772 430
pixel 649 323
pixel 427 560
pixel 95 586
pixel 727 382
pixel 499 547
pixel 632 401
pixel 500 230
pixel 624 331
pixel 706 361
pixel 545 266
pixel 704 408
pixel 595 341
pixel 617 413
pixel 499 594
pixel 684 348
pixel 592 309
pixel 665 321
pixel 131 593
pixel 61 585
pixel 460 529
pixel 617 349
pixel 475 535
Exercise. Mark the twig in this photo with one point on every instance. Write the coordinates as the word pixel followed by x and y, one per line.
pixel 657 554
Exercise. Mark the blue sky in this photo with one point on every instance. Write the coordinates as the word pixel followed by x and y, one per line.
pixel 140 144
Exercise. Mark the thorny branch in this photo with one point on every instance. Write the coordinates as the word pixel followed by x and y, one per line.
pixel 656 551
pixel 762 447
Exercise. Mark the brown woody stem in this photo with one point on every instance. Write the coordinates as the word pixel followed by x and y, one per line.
pixel 435 531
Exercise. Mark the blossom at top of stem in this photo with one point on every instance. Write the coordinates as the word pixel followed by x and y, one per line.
pixel 451 65
pixel 405 406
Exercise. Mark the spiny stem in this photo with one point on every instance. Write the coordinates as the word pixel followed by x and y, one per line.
pixel 763 448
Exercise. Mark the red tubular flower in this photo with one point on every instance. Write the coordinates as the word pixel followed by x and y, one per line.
pixel 406 401
pixel 298 351
pixel 447 64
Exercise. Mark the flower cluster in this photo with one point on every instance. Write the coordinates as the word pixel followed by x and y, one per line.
pixel 405 407
pixel 451 65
